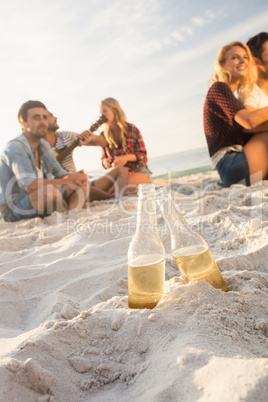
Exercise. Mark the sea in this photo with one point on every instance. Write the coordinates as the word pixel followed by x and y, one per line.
pixel 193 160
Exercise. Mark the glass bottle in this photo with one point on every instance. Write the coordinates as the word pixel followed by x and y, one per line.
pixel 189 250
pixel 146 255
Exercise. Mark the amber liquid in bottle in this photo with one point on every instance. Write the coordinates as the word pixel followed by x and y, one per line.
pixel 145 282
pixel 196 263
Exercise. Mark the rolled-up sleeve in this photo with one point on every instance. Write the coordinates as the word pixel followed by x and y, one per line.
pixel 140 149
pixel 19 163
pixel 135 143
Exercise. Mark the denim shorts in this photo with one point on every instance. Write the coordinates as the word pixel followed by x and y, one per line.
pixel 24 210
pixel 142 169
pixel 233 169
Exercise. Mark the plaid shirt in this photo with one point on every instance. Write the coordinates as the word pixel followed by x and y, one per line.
pixel 134 145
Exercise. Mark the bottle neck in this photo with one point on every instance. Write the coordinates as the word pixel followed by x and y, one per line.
pixel 146 218
pixel 173 218
pixel 182 236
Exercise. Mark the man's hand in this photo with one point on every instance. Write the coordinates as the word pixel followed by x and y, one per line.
pixel 79 178
pixel 85 138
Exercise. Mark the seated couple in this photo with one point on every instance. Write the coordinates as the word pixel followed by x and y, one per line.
pixel 33 183
pixel 236 129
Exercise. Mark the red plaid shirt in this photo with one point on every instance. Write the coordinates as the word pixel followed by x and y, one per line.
pixel 134 145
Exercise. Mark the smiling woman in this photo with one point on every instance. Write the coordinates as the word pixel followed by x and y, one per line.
pixel 237 139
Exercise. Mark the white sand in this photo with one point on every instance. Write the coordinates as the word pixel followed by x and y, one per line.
pixel 67 333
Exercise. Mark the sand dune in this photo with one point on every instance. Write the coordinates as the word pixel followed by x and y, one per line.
pixel 67 333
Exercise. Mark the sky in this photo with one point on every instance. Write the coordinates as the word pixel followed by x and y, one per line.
pixel 154 56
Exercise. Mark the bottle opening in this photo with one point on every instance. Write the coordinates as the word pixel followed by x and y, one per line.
pixel 146 189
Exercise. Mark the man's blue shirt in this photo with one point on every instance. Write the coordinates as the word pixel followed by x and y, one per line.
pixel 18 170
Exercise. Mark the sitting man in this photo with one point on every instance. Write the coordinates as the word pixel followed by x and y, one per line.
pixel 115 181
pixel 60 140
pixel 258 98
pixel 32 182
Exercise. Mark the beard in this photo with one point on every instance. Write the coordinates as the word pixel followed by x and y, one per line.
pixel 41 131
pixel 53 127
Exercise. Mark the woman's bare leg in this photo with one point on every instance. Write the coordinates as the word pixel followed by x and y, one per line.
pixel 135 179
pixel 117 178
pixel 256 150
pixel 96 194
pixel 78 197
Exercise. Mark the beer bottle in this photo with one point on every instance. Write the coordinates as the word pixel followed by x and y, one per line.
pixel 146 254
pixel 189 250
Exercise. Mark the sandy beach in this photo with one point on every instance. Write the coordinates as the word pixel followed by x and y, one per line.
pixel 67 334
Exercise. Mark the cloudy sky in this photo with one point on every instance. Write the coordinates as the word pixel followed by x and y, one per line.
pixel 154 56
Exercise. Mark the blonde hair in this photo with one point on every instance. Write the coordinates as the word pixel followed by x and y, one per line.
pixel 120 119
pixel 246 83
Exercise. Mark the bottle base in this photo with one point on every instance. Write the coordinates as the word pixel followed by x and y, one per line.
pixel 143 305
pixel 196 265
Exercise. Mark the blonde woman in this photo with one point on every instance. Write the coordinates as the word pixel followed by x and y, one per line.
pixel 237 138
pixel 122 144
